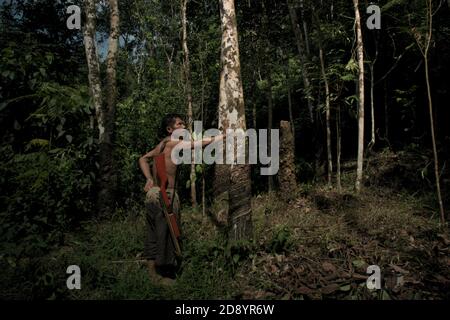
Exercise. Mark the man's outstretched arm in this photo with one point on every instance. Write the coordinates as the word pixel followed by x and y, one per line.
pixel 198 143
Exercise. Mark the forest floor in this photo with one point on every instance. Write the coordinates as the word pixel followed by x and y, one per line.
pixel 317 246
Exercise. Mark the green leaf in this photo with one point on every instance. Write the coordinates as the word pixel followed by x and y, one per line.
pixel 359 263
pixel 385 295
pixel 345 288
pixel 69 138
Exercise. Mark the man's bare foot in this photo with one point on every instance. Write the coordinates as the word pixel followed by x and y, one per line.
pixel 157 278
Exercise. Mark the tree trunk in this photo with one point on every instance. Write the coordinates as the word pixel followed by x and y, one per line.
pixel 433 140
pixel 286 175
pixel 232 116
pixel 105 114
pixel 305 28
pixel 302 56
pixel 93 67
pixel 424 49
pixel 386 113
pixel 202 103
pixel 269 123
pixel 372 102
pixel 327 114
pixel 188 85
pixel 291 117
pixel 360 50
pixel 338 148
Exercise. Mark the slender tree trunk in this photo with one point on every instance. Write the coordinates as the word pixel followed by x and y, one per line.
pixel 105 114
pixel 302 56
pixel 232 116
pixel 269 123
pixel 202 103
pixel 305 27
pixel 291 117
pixel 94 67
pixel 338 149
pixel 360 50
pixel 386 112
pixel 433 140
pixel 188 84
pixel 372 102
pixel 254 115
pixel 424 49
pixel 327 115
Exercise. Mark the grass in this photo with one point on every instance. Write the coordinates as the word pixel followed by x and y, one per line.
pixel 318 246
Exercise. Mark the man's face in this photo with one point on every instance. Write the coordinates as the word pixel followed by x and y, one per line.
pixel 179 124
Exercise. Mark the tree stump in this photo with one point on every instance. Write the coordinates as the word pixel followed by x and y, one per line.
pixel 286 173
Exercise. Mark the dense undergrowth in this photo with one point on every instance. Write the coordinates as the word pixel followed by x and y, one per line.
pixel 318 246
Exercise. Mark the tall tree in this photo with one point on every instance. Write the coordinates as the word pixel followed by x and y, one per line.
pixel 105 112
pixel 327 113
pixel 232 116
pixel 360 53
pixel 424 46
pixel 327 98
pixel 372 97
pixel 188 85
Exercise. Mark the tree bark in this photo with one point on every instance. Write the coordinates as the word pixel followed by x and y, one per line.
pixel 286 175
pixel 338 149
pixel 305 28
pixel 105 114
pixel 188 86
pixel 372 98
pixel 360 50
pixel 269 122
pixel 94 67
pixel 232 116
pixel 327 115
pixel 291 117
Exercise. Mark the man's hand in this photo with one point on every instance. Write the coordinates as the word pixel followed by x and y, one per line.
pixel 148 185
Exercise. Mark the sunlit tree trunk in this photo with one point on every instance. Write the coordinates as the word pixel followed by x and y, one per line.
pixel 105 113
pixel 188 86
pixel 360 53
pixel 232 116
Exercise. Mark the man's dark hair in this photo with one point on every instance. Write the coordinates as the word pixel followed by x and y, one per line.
pixel 168 121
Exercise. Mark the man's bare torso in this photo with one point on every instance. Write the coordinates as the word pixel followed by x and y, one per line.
pixel 171 167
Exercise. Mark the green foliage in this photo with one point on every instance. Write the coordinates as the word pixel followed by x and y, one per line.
pixel 281 240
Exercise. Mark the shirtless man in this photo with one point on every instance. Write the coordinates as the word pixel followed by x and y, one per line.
pixel 159 250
